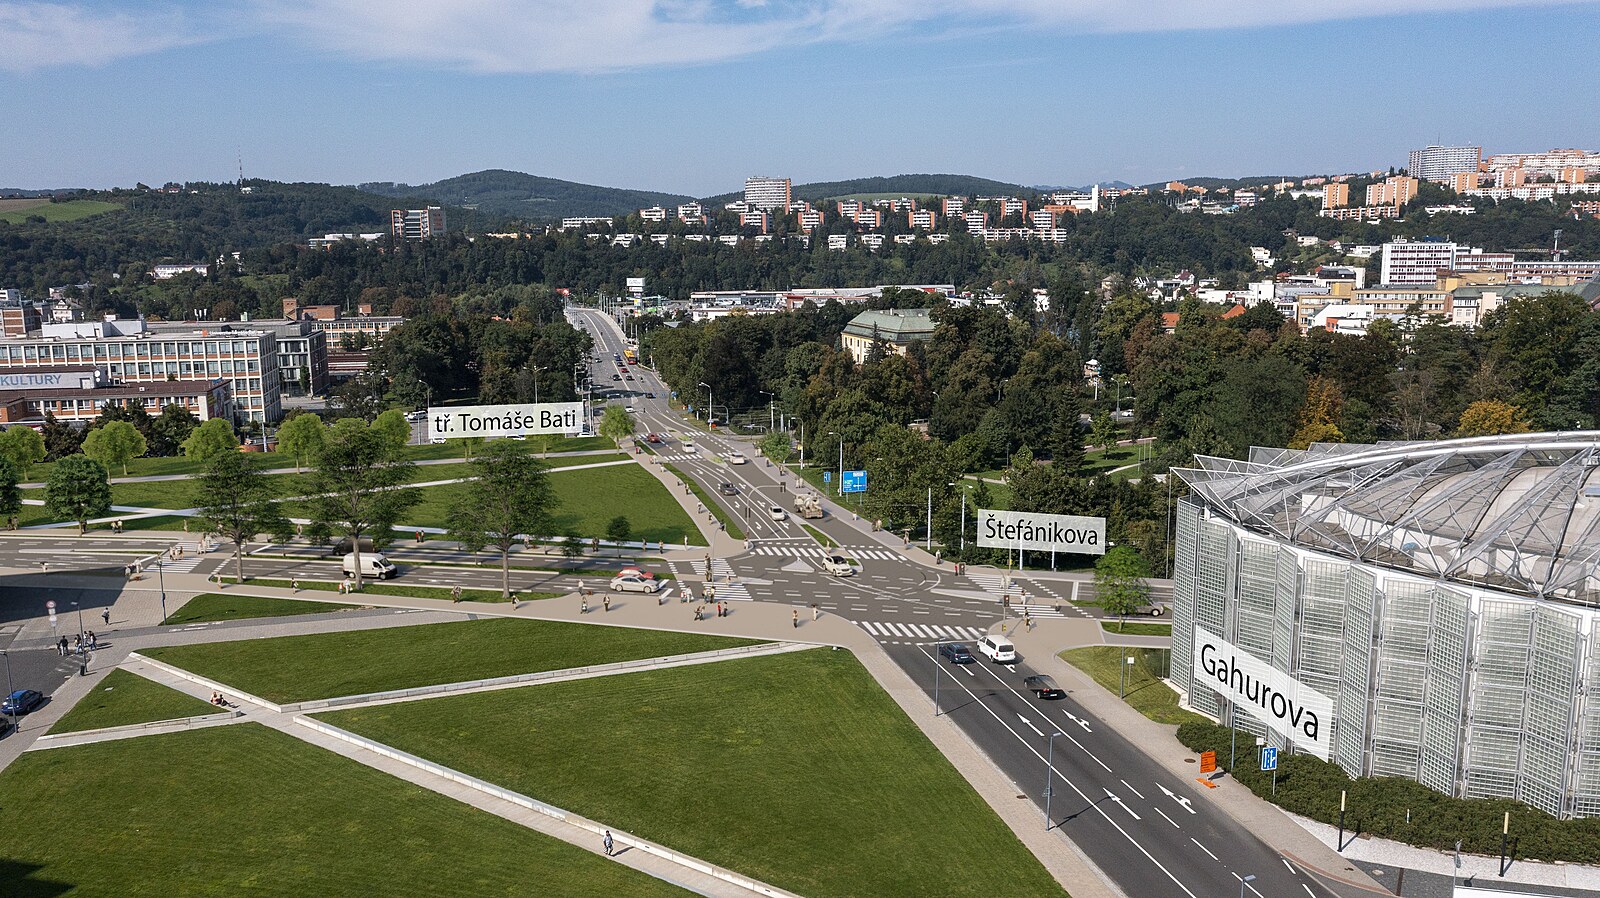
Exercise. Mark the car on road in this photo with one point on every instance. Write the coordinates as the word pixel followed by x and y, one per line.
pixel 1044 686
pixel 616 377
pixel 629 377
pixel 839 566
pixel 997 649
pixel 956 653
pixel 649 395
pixel 736 458
pixel 1154 609
pixel 777 513
pixel 373 565
pixel 636 572
pixel 652 438
pixel 417 415
pixel 688 446
pixel 728 489
pixel 635 583
pixel 21 702
pixel 630 409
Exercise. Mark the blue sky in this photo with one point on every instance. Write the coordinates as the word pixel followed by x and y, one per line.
pixel 691 96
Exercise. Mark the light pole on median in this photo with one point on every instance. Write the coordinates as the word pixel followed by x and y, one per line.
pixel 1245 881
pixel 161 574
pixel 1049 776
pixel 937 646
pixel 772 400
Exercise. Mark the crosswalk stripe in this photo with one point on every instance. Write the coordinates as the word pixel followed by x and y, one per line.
pixel 894 631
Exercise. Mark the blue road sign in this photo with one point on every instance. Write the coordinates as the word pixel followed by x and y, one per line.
pixel 854 482
pixel 827 476
pixel 1269 758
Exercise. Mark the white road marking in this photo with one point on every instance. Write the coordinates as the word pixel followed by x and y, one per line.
pixel 1307 888
pixel 1180 799
pixel 1029 724
pixel 1118 800
pixel 1168 819
pixel 1079 721
pixel 1287 864
pixel 1131 789
pixel 1204 848
pixel 1092 756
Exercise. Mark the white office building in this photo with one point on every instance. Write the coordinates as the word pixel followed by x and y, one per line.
pixel 1434 163
pixel 767 193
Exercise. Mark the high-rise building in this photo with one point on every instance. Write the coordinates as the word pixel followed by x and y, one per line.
pixel 767 193
pixel 1433 163
pixel 1335 196
pixel 416 224
pixel 1463 181
pixel 1396 191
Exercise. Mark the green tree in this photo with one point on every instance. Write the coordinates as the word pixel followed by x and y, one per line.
pixel 1103 431
pixel 238 500
pixel 210 438
pixel 618 529
pixel 509 496
pixel 22 446
pixel 79 489
pixel 169 429
pixel 571 546
pixel 394 428
pixel 1120 582
pixel 10 492
pixel 1490 417
pixel 778 446
pixel 303 437
pixel 468 444
pixel 355 489
pixel 60 438
pixel 616 425
pixel 114 444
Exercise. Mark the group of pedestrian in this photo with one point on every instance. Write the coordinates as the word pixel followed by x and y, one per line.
pixel 116 526
pixel 82 642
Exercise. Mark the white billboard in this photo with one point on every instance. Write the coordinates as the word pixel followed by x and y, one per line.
pixel 1289 707
pixel 457 421
pixel 1041 532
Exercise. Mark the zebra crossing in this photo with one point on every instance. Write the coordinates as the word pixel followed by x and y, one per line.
pixel 192 557
pixel 895 633
pixel 995 585
pixel 876 553
pixel 727 588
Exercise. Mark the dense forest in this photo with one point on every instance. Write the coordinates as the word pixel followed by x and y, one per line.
pixel 512 194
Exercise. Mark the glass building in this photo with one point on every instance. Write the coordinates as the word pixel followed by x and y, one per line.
pixel 1443 594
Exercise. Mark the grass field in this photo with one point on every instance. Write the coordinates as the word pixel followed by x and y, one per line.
pixel 390 588
pixel 124 698
pixel 795 769
pixel 728 522
pixel 244 810
pixel 324 665
pixel 1136 628
pixel 210 606
pixel 1145 691
pixel 72 210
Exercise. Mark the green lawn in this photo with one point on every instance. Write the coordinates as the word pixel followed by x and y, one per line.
pixel 325 665
pixel 728 521
pixel 795 769
pixel 244 810
pixel 212 606
pixel 1145 691
pixel 71 210
pixel 1136 628
pixel 389 588
pixel 827 541
pixel 184 493
pixel 124 698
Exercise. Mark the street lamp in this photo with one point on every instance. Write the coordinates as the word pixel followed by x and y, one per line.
pixel 536 370
pixel 772 401
pixel 936 647
pixel 1244 881
pixel 963 516
pixel 10 687
pixel 80 621
pixel 835 433
pixel 161 574
pixel 1049 776
pixel 710 403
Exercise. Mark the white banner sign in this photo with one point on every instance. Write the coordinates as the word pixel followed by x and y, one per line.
pixel 1041 532
pixel 457 421
pixel 1289 707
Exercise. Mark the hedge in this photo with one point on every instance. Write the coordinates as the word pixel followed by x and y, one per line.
pixel 1378 806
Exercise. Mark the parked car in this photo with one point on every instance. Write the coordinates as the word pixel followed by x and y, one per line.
pixel 21 702
pixel 372 565
pixel 777 513
pixel 839 566
pixel 728 489
pixel 997 649
pixel 956 653
pixel 1044 686
pixel 736 458
pixel 635 583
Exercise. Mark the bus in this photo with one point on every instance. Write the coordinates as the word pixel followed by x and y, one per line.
pixel 629 355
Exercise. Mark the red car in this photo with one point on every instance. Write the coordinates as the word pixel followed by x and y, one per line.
pixel 652 438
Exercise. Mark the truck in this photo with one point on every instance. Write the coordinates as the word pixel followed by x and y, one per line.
pixel 808 505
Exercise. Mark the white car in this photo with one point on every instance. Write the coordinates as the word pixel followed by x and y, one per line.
pixel 634 583
pixel 839 566
pixel 736 458
pixel 997 649
pixel 688 446
pixel 777 513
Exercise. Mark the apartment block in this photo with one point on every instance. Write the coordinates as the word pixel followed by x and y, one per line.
pixel 767 193
pixel 1361 213
pixel 977 221
pixel 416 224
pixel 953 205
pixel 691 212
pixel 868 218
pixel 1043 219
pixel 1435 163
pixel 1549 163
pixel 756 219
pixel 925 219
pixel 1335 196
pixel 654 213
pixel 810 220
pixel 1461 182
pixel 1013 206
pixel 1393 191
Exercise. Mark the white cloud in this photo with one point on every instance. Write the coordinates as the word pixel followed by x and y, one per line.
pixel 36 36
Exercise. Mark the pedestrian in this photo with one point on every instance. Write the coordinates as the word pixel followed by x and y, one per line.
pixel 815 611
pixel 797 618
pixel 77 644
pixel 455 593
pixel 61 646
pixel 607 842
pixel 106 616
pixel 583 607
pixel 606 603
pixel 94 641
pixel 294 583
pixel 720 612
pixel 698 609
pixel 580 588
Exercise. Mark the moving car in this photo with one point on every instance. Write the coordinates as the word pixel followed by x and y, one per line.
pixel 777 513
pixel 839 566
pixel 634 583
pixel 1154 609
pixel 1044 687
pixel 736 458
pixel 652 438
pixel 21 702
pixel 956 653
pixel 997 649
pixel 649 395
pixel 417 415
pixel 636 572
pixel 616 377
pixel 728 489
pixel 373 565
pixel 629 377
pixel 630 409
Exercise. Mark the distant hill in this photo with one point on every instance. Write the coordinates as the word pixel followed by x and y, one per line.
pixel 1230 183
pixel 519 195
pixel 900 185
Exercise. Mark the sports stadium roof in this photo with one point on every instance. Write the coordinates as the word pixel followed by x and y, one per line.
pixel 1517 513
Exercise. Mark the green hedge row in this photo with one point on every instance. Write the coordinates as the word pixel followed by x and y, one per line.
pixel 1378 806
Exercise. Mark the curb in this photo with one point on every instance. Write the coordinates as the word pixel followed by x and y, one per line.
pixel 213 685
pixel 154 727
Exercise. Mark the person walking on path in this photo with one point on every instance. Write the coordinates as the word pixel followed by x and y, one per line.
pixel 815 611
pixel 608 843
pixel 797 618
pixel 106 616
pixel 455 593
pixel 294 583
pixel 583 607
pixel 606 602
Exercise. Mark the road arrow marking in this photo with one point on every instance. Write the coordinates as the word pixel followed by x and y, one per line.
pixel 1029 725
pixel 1078 721
pixel 1182 800
pixel 1123 806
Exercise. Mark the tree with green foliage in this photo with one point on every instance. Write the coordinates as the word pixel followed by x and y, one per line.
pixel 394 428
pixel 778 446
pixel 22 446
pixel 79 489
pixel 616 425
pixel 209 439
pixel 113 444
pixel 1103 431
pixel 169 429
pixel 508 497
pixel 1491 417
pixel 238 500
pixel 355 489
pixel 468 445
pixel 10 491
pixel 618 529
pixel 1120 582
pixel 60 438
pixel 571 546
pixel 303 437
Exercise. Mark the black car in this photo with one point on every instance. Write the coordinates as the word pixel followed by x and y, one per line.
pixel 956 652
pixel 21 702
pixel 1044 687
pixel 728 489
pixel 649 395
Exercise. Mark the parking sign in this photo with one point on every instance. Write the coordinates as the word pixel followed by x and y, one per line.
pixel 1269 758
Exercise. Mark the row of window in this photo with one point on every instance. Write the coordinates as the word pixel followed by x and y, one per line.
pixel 188 370
pixel 101 351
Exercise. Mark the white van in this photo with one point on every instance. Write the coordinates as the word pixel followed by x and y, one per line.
pixel 373 565
pixel 997 649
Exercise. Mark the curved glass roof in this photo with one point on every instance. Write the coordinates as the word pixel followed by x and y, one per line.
pixel 1518 513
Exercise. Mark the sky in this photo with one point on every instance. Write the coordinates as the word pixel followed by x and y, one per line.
pixel 692 96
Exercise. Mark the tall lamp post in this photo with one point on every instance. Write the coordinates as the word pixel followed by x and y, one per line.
pixel 772 404
pixel 937 646
pixel 711 409
pixel 928 544
pixel 80 620
pixel 963 488
pixel 536 370
pixel 161 574
pixel 835 433
pixel 1049 777
pixel 10 686
pixel 1245 880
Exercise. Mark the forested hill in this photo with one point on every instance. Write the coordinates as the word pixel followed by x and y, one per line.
pixel 518 195
pixel 904 185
